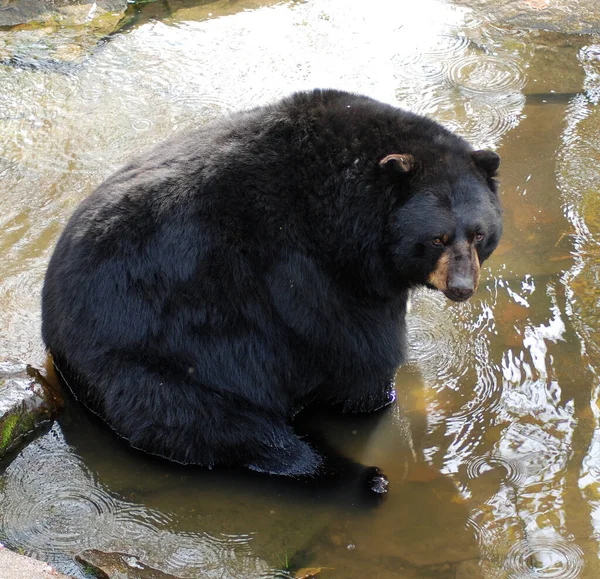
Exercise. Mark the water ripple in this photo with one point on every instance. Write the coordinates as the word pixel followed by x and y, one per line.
pixel 70 519
pixel 484 74
pixel 430 65
pixel 429 71
pixel 49 510
pixel 138 524
pixel 205 105
pixel 544 558
pixel 515 470
pixel 141 124
pixel 434 345
pixel 484 121
pixel 448 45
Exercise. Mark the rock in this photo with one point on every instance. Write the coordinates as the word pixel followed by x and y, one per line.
pixel 27 401
pixel 550 68
pixel 56 35
pixel 65 12
pixel 14 566
pixel 118 566
pixel 182 10
pixel 567 16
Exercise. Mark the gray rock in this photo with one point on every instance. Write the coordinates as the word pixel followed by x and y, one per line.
pixel 119 566
pixel 27 401
pixel 73 12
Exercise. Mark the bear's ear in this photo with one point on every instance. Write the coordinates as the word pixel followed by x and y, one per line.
pixel 486 161
pixel 399 164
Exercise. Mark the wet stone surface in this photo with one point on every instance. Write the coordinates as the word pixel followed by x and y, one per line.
pixel 65 12
pixel 26 403
pixel 54 35
pixel 118 566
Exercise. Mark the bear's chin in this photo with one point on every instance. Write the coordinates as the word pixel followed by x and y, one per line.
pixel 457 297
pixel 450 295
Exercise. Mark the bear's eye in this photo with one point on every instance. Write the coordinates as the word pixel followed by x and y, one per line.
pixel 437 242
pixel 479 237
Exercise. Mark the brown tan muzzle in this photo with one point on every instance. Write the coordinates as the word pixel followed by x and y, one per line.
pixel 457 272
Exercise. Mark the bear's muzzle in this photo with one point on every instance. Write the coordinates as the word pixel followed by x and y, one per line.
pixel 457 272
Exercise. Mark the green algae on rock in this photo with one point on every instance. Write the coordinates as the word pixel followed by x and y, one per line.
pixel 26 402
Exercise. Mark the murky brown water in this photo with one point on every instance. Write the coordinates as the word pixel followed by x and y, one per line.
pixel 493 451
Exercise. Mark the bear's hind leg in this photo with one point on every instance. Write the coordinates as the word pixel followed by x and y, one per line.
pixel 195 424
pixel 283 453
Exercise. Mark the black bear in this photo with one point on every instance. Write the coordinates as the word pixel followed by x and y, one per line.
pixel 213 287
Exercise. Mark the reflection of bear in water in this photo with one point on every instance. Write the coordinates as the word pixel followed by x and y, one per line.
pixel 209 290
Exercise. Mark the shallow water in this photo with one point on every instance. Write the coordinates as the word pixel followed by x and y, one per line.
pixel 493 449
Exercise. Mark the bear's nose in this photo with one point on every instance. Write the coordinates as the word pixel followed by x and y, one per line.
pixel 460 289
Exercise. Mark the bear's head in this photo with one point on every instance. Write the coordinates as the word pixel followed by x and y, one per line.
pixel 445 219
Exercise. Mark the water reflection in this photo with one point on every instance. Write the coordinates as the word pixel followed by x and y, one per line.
pixel 519 425
pixel 493 452
pixel 578 178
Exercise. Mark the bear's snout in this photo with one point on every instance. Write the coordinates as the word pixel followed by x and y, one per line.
pixel 457 272
pixel 460 289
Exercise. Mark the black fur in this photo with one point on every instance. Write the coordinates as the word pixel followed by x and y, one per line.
pixel 213 287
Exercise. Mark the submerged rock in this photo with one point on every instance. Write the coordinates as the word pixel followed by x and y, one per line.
pixel 567 16
pixel 118 566
pixel 27 402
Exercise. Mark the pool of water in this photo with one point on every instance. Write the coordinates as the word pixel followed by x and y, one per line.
pixel 493 447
